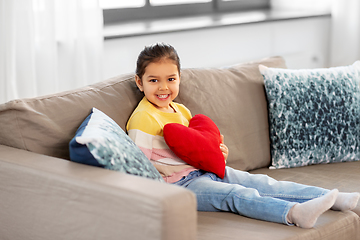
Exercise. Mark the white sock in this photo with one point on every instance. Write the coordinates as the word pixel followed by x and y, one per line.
pixel 306 214
pixel 346 201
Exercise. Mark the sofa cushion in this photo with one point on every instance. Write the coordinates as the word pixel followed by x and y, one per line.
pixel 234 98
pixel 198 144
pixel 99 141
pixel 344 176
pixel 313 115
pixel 331 225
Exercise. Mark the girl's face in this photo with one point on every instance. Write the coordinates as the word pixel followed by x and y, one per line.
pixel 160 84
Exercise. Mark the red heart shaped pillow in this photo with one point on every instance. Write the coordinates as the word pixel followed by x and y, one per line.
pixel 198 144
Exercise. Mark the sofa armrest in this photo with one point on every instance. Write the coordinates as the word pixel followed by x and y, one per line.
pixel 43 197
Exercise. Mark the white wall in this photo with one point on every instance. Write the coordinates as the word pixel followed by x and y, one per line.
pixel 304 43
pixel 345 45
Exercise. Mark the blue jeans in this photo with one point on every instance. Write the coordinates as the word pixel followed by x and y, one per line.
pixel 252 195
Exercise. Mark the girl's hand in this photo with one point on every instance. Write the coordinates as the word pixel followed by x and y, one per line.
pixel 224 148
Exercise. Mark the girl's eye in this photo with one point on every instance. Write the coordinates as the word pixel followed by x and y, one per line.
pixel 153 80
pixel 171 79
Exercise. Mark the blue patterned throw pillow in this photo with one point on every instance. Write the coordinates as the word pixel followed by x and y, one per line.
pixel 101 142
pixel 314 115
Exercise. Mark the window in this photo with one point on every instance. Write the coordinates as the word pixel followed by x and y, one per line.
pixel 175 2
pixel 128 10
pixel 111 4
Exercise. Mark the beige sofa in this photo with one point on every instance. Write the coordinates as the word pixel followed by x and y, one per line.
pixel 45 196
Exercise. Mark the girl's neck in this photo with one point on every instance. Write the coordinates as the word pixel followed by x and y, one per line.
pixel 169 109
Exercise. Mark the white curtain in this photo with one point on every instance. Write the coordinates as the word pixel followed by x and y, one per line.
pixel 47 46
pixel 345 45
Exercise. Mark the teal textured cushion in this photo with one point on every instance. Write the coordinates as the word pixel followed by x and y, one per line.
pixel 101 142
pixel 314 115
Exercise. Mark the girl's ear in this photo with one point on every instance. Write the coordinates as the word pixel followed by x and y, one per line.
pixel 138 82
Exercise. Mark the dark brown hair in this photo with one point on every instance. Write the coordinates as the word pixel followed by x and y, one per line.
pixel 156 53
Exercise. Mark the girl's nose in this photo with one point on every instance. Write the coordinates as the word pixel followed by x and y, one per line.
pixel 163 86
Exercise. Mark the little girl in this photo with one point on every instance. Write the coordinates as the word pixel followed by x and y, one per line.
pixel 252 195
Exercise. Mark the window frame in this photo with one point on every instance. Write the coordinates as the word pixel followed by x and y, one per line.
pixel 149 12
pixel 241 5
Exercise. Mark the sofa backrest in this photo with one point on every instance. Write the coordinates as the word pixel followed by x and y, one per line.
pixel 232 97
pixel 46 124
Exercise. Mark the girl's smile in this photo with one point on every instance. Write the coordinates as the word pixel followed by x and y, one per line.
pixel 163 96
pixel 160 84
